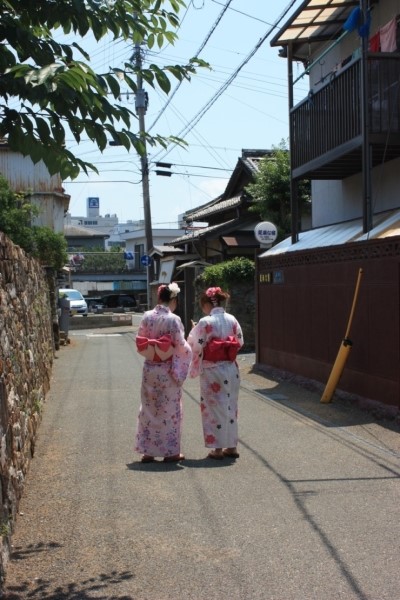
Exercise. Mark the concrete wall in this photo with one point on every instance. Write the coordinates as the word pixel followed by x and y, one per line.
pixel 26 358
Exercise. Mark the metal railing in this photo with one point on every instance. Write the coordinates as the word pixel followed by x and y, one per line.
pixel 331 116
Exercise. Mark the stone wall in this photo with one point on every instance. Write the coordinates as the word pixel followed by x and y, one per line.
pixel 26 358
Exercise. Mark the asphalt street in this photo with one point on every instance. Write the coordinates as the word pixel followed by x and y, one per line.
pixel 310 510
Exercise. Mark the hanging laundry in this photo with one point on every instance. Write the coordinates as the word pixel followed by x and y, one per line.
pixel 398 34
pixel 388 36
pixel 375 43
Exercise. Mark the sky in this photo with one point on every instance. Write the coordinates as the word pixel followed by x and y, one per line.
pixel 241 103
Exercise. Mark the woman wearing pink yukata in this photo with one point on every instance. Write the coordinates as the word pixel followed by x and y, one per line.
pixel 215 341
pixel 161 340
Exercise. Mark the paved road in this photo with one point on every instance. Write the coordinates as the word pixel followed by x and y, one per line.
pixel 310 511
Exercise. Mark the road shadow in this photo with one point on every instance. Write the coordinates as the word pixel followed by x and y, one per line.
pixel 44 589
pixel 189 463
pixel 304 396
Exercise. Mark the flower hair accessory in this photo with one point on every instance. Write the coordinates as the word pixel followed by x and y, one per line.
pixel 213 291
pixel 174 289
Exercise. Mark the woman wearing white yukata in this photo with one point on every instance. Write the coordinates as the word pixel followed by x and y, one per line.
pixel 215 341
pixel 161 340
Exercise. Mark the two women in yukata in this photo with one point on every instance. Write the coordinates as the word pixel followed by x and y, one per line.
pixel 210 353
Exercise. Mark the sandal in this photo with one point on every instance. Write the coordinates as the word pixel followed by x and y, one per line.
pixel 176 458
pixel 215 456
pixel 147 459
pixel 230 454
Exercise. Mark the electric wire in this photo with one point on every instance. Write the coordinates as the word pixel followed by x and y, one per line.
pixel 196 54
pixel 222 89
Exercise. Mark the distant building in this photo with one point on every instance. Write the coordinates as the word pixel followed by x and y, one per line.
pixel 108 225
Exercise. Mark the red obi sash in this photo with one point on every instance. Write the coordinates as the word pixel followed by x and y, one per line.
pixel 158 349
pixel 217 350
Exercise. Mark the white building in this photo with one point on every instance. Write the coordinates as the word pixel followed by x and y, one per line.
pixel 108 224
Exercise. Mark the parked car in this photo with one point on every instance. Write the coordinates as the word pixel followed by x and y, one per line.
pixel 93 303
pixel 77 302
pixel 124 301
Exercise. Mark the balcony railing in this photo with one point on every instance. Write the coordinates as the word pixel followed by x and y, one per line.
pixel 326 127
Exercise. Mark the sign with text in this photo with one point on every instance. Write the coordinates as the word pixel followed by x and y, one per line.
pixel 265 232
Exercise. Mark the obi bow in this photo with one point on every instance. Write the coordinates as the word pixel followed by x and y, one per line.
pixel 163 343
pixel 217 349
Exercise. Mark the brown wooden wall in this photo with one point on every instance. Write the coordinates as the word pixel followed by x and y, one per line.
pixel 303 307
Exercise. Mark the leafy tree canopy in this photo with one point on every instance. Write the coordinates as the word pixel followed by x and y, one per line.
pixel 271 190
pixel 54 87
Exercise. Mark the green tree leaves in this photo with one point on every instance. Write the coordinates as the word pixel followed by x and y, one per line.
pixel 226 274
pixel 55 86
pixel 271 190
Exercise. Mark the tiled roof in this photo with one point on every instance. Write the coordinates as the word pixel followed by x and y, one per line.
pixel 165 249
pixel 196 234
pixel 220 206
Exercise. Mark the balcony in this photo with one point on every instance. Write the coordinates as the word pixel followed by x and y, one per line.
pixel 326 127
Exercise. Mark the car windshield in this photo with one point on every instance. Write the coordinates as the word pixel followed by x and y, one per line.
pixel 73 295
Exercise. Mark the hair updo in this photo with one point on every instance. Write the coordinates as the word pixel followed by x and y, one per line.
pixel 167 292
pixel 214 296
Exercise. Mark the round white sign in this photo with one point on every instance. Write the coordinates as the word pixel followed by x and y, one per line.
pixel 265 232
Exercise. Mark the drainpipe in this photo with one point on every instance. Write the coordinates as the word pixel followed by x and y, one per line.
pixel 294 206
pixel 366 150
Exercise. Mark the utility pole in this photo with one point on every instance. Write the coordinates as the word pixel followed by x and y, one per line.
pixel 141 102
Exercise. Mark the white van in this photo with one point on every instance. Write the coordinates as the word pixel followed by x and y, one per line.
pixel 77 302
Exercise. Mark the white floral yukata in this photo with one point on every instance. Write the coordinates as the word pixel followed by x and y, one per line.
pixel 164 371
pixel 219 381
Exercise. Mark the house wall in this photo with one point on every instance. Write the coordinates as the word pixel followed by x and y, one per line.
pixel 52 209
pixel 303 318
pixel 45 190
pixel 160 237
pixel 336 201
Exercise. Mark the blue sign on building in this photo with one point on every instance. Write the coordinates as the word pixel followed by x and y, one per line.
pixel 145 260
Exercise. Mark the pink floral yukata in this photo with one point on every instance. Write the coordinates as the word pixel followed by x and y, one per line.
pixel 219 381
pixel 164 371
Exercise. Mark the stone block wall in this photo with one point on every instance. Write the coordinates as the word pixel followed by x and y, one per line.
pixel 26 358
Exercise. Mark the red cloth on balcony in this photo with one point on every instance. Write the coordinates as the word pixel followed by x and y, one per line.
pixel 375 43
pixel 217 350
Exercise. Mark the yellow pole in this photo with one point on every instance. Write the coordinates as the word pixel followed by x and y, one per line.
pixel 343 353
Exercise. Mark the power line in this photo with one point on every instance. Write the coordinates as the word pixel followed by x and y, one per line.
pixel 196 54
pixel 245 14
pixel 212 100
